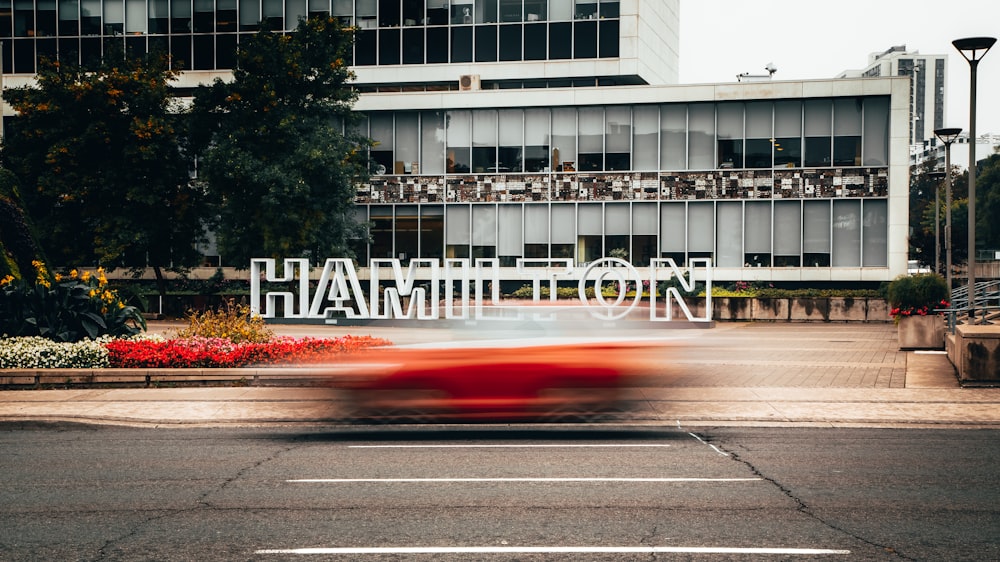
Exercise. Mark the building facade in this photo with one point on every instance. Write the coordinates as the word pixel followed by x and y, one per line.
pixel 554 129
pixel 927 87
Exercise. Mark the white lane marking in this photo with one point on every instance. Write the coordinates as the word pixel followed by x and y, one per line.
pixel 561 550
pixel 525 446
pixel 434 480
pixel 703 442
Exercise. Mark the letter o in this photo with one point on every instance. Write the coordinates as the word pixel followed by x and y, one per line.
pixel 614 270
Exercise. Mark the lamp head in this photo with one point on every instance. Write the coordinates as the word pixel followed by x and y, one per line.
pixel 974 48
pixel 948 135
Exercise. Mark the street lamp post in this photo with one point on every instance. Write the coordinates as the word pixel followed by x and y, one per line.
pixel 947 136
pixel 973 49
pixel 937 177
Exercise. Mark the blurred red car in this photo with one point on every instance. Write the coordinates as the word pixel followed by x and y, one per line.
pixel 493 381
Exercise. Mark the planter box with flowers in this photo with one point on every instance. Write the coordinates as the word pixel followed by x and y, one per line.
pixel 912 301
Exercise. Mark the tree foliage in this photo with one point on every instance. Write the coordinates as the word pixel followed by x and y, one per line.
pixel 923 185
pixel 988 203
pixel 98 149
pixel 18 247
pixel 273 149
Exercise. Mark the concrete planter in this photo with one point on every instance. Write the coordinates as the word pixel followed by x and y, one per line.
pixel 921 332
pixel 975 352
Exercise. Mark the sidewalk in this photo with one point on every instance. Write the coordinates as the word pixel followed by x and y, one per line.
pixel 809 374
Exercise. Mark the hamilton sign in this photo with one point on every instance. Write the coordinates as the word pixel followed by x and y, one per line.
pixel 469 289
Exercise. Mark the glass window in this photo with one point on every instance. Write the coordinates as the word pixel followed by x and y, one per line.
pixel 69 18
pixel 510 10
pixel 90 16
pixel 461 12
pixel 406 235
pixel 225 15
pixel 818 132
pixel 585 40
pixel 432 147
pixel 535 41
pixel 319 8
pixel 343 10
pixel 536 224
pixel 645 145
pixel 609 36
pixel 486 43
pixel 563 226
pixel 388 46
pixel 586 9
pixel 413 13
pixel 815 234
pixel 701 229
pixel 787 233
pixel 24 18
pixel 535 10
pixel 388 13
pixel 250 15
pixel 509 155
pixel 511 241
pixel 367 12
pixel 729 128
pixel 876 137
pixel 536 140
pixel 591 140
pixel 757 237
pixel 382 149
pixel 730 234
pixel 45 23
pixel 673 232
pixel 561 10
pixel 609 9
pixel 484 225
pixel 484 141
pixel 510 42
pixel 295 10
pixel 437 12
pixel 413 46
pixel 874 233
pixel 561 41
pixel 461 44
pixel 673 137
pixel 365 47
pixel 204 16
pixel 406 143
pixel 458 220
pixel 590 232
pixel 159 16
pixel 618 138
pixel 459 154
pixel 788 134
pixel 564 139
pixel 847 116
pixel 431 231
pixel 846 233
pixel 380 217
pixel 437 45
pixel 701 136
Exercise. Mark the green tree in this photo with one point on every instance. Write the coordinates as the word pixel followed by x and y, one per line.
pixel 274 154
pixel 98 149
pixel 18 247
pixel 988 203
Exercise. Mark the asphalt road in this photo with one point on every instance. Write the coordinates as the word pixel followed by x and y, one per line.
pixel 540 492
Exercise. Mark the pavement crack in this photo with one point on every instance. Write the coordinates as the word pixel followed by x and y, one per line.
pixel 801 506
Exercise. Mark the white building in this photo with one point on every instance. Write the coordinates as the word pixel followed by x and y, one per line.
pixel 927 92
pixel 554 129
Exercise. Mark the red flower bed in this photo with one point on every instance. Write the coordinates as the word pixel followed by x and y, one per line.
pixel 215 352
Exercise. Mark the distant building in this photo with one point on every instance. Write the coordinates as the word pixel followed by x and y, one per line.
pixel 927 89
pixel 986 145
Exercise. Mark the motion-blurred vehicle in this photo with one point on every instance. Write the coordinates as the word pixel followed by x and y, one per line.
pixel 545 379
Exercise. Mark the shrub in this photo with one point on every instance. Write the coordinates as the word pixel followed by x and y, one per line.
pixel 66 308
pixel 231 322
pixel 36 352
pixel 916 295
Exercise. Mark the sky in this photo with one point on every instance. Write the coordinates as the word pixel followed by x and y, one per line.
pixel 806 40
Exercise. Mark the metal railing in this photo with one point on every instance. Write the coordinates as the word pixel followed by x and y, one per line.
pixel 984 308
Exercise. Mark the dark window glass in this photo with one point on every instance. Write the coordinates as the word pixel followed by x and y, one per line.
pixel 484 159
pixel 510 42
pixel 787 152
pixel 45 26
pixel 69 26
pixel 413 46
pixel 437 15
pixel 180 51
pixel 461 44
pixel 758 153
pixel 365 48
pixel 135 47
pixel 388 13
pixel 510 10
pixel 437 44
pixel 69 50
pixel 204 52
pixel 413 13
pixel 388 46
pixel 609 38
pixel 89 24
pixel 204 21
pixel 585 40
pixel 24 56
pixel 846 151
pixel 730 153
pixel 225 51
pixel 591 162
pixel 535 41
pixel 817 151
pixel 561 41
pixel 180 24
pixel 486 43
pixel 618 161
pixel 90 50
pixel 43 48
pixel 609 9
pixel 225 20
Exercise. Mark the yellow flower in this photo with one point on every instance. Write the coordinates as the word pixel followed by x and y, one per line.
pixel 92 293
pixel 85 276
pixel 101 279
pixel 58 277
pixel 6 280
pixel 74 274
